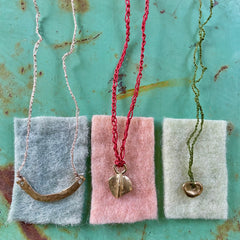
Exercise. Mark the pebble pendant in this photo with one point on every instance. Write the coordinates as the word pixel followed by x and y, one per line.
pixel 192 189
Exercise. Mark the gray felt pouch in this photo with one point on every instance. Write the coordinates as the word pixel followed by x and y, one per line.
pixel 48 169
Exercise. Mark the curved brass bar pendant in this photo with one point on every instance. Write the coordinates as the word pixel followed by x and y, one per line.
pixel 23 183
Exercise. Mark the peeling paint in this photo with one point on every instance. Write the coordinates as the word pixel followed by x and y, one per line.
pixel 78 41
pixel 81 6
pixel 146 88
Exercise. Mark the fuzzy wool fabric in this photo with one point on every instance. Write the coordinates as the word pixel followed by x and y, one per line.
pixel 141 202
pixel 48 169
pixel 209 168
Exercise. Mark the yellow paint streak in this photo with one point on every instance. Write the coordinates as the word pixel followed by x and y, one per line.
pixel 149 87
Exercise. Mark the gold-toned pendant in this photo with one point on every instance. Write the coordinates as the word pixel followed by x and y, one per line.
pixel 192 189
pixel 23 183
pixel 119 184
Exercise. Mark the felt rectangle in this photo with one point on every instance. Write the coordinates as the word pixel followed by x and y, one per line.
pixel 209 168
pixel 48 169
pixel 141 202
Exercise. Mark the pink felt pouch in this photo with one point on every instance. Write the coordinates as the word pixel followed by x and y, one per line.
pixel 141 202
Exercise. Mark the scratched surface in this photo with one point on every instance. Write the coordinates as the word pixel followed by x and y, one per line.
pixel 165 91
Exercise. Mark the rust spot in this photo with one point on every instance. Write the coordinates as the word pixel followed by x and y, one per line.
pixel 225 67
pixel 236 176
pixel 6 112
pixel 25 69
pixel 25 111
pixel 224 229
pixel 230 128
pixel 146 88
pixel 6 181
pixel 162 11
pixel 116 55
pixel 18 49
pixel 81 6
pixel 30 84
pixel 137 66
pixel 4 73
pixel 32 232
pixel 65 230
pixel 78 41
pixel 23 5
pixel 52 110
pixel 93 91
pixel 5 99
pixel 40 73
pixel 144 231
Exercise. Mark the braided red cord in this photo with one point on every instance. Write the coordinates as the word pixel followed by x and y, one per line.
pixel 120 157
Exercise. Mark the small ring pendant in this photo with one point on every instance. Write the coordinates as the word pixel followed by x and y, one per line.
pixel 119 184
pixel 192 189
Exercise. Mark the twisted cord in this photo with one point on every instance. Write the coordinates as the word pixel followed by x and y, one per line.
pixel 199 111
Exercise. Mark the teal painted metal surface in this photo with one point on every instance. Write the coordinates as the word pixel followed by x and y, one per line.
pixel 171 35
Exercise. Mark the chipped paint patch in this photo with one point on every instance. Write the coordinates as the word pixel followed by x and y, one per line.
pixel 121 85
pixel 6 181
pixel 146 88
pixel 32 232
pixel 85 40
pixel 81 6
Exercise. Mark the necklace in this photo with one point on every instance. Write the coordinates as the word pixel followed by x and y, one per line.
pixel 193 188
pixel 119 184
pixel 23 183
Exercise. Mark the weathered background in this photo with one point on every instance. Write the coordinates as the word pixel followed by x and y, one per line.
pixel 165 91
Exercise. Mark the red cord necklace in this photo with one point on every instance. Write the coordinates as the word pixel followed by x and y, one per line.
pixel 119 184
